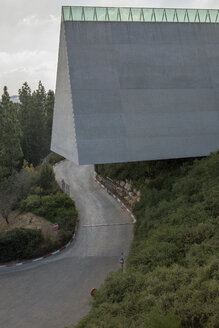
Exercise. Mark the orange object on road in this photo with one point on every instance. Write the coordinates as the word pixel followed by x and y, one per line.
pixel 92 292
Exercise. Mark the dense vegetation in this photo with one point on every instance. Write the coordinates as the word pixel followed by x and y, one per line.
pixel 172 273
pixel 20 244
pixel 35 190
pixel 25 128
pixel 27 181
pixel 56 208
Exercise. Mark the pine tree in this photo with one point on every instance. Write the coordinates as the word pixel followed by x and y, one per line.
pixel 10 137
pixel 49 107
pixel 38 122
pixel 25 119
pixel 33 120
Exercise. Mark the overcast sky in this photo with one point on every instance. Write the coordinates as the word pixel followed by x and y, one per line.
pixel 29 36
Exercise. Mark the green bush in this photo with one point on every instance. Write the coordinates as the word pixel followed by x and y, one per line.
pixel 56 208
pixel 19 244
pixel 172 273
pixel 46 176
pixel 30 204
pixel 157 320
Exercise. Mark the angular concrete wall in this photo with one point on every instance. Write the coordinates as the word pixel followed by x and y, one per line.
pixel 140 91
pixel 63 131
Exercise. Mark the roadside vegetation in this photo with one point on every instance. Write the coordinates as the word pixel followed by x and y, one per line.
pixel 27 182
pixel 172 273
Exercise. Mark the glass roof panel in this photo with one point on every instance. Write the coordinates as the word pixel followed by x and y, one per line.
pixel 136 13
pixel 170 14
pixel 76 13
pixel 113 14
pixel 124 12
pixel 66 13
pixel 202 15
pixel 208 17
pixel 158 14
pixel 192 15
pixel 104 14
pixel 181 14
pixel 88 13
pixel 213 15
pixel 101 14
pixel 148 14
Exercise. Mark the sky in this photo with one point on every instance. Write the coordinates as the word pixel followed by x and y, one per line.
pixel 29 36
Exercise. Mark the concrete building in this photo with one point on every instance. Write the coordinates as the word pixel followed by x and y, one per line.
pixel 136 84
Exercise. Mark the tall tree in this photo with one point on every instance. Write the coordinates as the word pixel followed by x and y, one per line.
pixel 49 107
pixel 25 119
pixel 10 137
pixel 33 120
pixel 38 122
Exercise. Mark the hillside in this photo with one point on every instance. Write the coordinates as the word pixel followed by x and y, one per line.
pixel 172 273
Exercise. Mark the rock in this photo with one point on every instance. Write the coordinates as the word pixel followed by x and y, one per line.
pixel 138 193
pixel 131 194
pixel 128 186
pixel 122 183
pixel 132 203
pixel 127 198
pixel 135 191
pixel 138 199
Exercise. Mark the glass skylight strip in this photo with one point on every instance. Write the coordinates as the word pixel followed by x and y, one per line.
pixel 168 15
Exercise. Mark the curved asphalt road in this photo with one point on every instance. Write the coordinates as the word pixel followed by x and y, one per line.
pixel 54 293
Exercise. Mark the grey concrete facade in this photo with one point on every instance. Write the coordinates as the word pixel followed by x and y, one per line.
pixel 136 91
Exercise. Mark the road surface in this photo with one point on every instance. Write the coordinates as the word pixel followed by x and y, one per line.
pixel 54 293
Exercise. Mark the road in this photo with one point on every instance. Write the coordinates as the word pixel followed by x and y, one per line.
pixel 54 293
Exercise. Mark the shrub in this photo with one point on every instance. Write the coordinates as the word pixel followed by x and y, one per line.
pixel 31 204
pixel 171 277
pixel 46 176
pixel 19 244
pixel 157 320
pixel 56 208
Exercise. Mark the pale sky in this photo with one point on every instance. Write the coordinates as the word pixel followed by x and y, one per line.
pixel 29 36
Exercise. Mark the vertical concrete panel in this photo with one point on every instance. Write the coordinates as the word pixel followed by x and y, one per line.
pixel 63 130
pixel 141 91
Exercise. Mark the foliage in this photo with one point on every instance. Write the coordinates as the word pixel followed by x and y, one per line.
pixel 54 158
pixel 19 244
pixel 172 274
pixel 25 128
pixel 35 190
pixel 46 176
pixel 15 188
pixel 139 171
pixel 56 208
pixel 25 137
pixel 35 116
pixel 10 137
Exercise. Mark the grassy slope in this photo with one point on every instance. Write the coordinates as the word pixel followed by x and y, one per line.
pixel 172 276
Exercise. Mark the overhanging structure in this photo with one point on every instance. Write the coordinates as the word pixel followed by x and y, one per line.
pixel 136 84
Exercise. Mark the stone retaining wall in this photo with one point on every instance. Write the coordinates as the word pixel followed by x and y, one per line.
pixel 123 189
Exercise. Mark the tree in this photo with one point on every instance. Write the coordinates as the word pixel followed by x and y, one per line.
pixel 15 188
pixel 25 119
pixel 49 107
pixel 7 199
pixel 47 176
pixel 33 122
pixel 10 137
